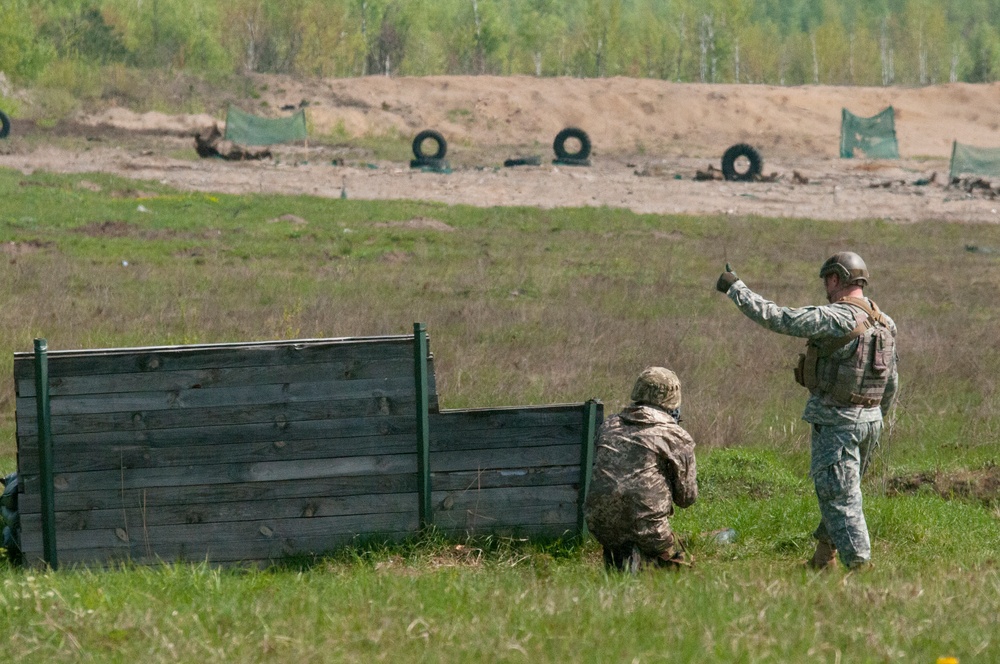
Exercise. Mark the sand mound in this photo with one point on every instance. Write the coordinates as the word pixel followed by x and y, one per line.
pixel 649 139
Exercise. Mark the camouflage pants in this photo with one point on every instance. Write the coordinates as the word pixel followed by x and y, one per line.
pixel 617 527
pixel 840 457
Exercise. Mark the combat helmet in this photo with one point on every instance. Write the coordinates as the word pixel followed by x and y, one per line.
pixel 659 387
pixel 848 266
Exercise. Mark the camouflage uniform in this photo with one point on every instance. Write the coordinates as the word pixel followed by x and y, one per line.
pixel 843 438
pixel 643 465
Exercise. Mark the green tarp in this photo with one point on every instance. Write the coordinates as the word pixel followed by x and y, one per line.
pixel 968 160
pixel 875 136
pixel 245 129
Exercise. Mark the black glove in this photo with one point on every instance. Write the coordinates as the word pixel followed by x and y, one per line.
pixel 726 279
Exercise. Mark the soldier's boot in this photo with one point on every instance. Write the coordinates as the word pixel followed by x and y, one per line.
pixel 825 556
pixel 861 566
pixel 626 558
pixel 675 559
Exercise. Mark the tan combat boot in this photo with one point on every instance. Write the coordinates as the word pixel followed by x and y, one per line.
pixel 675 559
pixel 825 556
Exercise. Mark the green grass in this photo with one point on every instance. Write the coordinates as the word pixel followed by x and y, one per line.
pixel 528 306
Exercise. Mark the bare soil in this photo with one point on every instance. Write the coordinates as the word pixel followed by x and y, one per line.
pixel 981 485
pixel 649 140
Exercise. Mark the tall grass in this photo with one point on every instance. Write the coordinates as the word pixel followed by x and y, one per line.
pixel 528 306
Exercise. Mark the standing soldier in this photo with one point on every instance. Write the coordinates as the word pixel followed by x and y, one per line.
pixel 643 465
pixel 849 368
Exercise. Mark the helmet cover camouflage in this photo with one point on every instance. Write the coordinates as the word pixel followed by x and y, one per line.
pixel 658 387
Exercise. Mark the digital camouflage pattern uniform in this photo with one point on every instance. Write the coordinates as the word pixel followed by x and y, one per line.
pixel 643 464
pixel 843 437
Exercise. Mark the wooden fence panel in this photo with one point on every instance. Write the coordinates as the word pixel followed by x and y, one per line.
pixel 250 452
pixel 508 470
pixel 221 452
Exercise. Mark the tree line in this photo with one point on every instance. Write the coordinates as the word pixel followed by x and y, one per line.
pixel 778 42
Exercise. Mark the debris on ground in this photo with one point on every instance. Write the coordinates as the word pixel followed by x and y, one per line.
pixel 652 170
pixel 886 184
pixel 798 178
pixel 977 185
pixel 923 182
pixel 711 173
pixel 213 145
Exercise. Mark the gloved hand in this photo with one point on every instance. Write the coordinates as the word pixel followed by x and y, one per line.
pixel 726 279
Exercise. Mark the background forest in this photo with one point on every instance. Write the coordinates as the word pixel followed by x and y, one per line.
pixel 53 43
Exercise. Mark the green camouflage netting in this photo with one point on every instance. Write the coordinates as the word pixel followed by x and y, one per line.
pixel 968 160
pixel 245 129
pixel 875 136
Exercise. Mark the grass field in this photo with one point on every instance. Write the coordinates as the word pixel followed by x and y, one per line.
pixel 528 306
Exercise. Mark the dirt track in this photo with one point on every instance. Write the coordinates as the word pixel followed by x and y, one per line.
pixel 650 137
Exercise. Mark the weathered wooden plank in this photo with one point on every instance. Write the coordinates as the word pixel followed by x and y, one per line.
pixel 503 504
pixel 240 540
pixel 499 418
pixel 132 457
pixel 98 498
pixel 244 354
pixel 268 471
pixel 257 555
pixel 510 458
pixel 445 440
pixel 226 435
pixel 211 535
pixel 137 478
pixel 513 477
pixel 551 531
pixel 484 519
pixel 276 408
pixel 132 517
pixel 210 377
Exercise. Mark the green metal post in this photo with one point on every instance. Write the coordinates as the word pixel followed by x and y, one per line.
pixel 420 373
pixel 586 462
pixel 45 479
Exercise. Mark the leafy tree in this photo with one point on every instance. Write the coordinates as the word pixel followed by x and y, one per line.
pixel 983 49
pixel 23 54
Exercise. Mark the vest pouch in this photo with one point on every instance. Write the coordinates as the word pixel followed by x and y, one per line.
pixel 800 370
pixel 882 354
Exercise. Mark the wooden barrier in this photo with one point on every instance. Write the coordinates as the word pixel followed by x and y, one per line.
pixel 252 452
pixel 511 470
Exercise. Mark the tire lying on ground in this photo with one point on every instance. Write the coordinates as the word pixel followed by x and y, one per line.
pixel 4 125
pixel 429 163
pixel 429 135
pixel 729 163
pixel 559 145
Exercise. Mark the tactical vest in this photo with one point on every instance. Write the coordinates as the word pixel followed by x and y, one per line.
pixel 860 378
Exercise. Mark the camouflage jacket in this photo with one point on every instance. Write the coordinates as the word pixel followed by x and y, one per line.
pixel 816 322
pixel 643 464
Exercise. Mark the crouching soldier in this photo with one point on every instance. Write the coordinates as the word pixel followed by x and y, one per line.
pixel 643 465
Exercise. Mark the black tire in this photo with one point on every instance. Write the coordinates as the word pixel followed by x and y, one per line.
pixel 429 162
pixel 559 145
pixel 4 125
pixel 425 135
pixel 729 170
